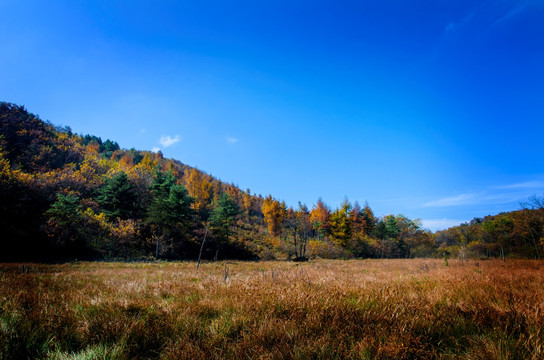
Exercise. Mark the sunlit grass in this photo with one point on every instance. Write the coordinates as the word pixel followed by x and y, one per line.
pixel 325 309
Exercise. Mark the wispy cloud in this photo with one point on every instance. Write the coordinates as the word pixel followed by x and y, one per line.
pixel 156 149
pixel 479 15
pixel 513 12
pixel 523 185
pixel 494 195
pixel 456 25
pixel 461 199
pixel 142 131
pixel 509 14
pixel 167 141
pixel 231 140
pixel 440 224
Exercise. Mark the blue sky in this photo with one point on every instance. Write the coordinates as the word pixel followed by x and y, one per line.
pixel 434 110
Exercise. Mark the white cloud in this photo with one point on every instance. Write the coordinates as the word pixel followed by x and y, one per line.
pixel 231 140
pixel 156 149
pixel 167 141
pixel 440 224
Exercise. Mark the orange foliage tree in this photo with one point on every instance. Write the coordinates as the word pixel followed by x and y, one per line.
pixel 274 213
pixel 319 216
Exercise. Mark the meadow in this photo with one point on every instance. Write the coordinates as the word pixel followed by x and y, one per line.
pixel 355 309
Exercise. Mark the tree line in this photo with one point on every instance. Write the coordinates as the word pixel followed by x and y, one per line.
pixel 517 234
pixel 70 196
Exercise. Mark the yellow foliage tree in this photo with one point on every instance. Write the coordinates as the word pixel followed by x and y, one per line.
pixel 199 188
pixel 274 214
pixel 247 202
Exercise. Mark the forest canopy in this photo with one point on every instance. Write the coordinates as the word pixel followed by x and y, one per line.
pixel 68 196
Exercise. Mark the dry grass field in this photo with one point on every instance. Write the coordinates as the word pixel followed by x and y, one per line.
pixel 360 309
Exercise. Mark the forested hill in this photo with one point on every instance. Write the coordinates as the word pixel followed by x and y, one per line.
pixel 518 234
pixel 69 196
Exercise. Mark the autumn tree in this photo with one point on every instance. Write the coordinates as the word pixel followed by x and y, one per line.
pixel 126 161
pixel 247 201
pixel 233 191
pixel 142 176
pixel 500 229
pixel 304 230
pixel 319 216
pixel 299 227
pixel 357 221
pixel 532 223
pixel 359 244
pixel 274 213
pixel 340 225
pixel 200 189
pixel 466 234
pixel 149 161
pixel 369 219
pixel 422 244
pixel 407 233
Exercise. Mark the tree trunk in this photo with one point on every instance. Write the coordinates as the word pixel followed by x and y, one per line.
pixel 296 248
pixel 202 247
pixel 157 248
pixel 535 244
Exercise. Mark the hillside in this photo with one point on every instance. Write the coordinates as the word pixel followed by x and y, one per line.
pixel 70 196
pixel 65 195
pixel 518 234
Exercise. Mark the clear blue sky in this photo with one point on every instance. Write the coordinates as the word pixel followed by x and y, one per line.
pixel 432 109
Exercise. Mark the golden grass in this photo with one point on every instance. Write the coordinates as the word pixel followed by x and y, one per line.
pixel 357 309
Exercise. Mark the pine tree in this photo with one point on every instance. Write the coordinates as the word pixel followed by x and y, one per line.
pixel 170 211
pixel 223 217
pixel 118 197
